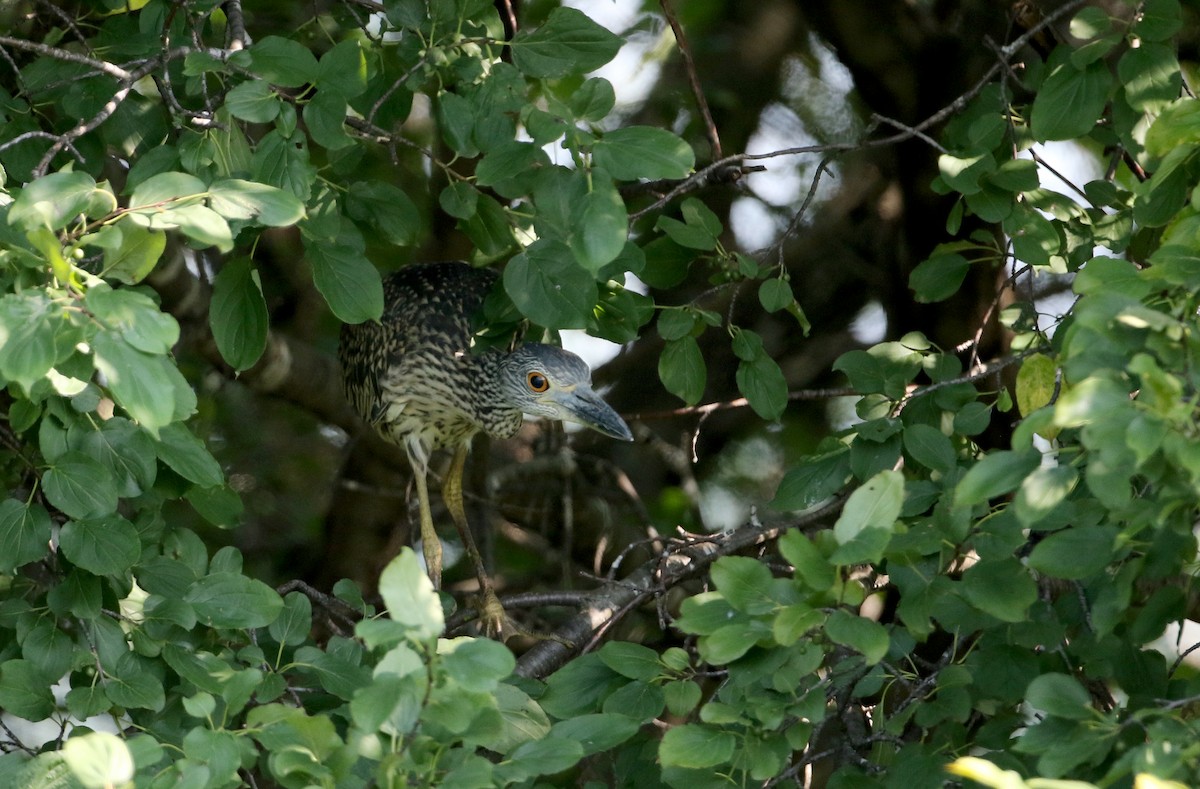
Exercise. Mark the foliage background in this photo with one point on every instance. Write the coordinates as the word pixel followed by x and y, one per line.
pixel 950 518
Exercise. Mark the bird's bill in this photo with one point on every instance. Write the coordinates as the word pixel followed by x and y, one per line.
pixel 585 407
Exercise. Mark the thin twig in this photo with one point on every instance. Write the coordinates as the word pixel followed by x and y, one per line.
pixel 955 106
pixel 111 69
pixel 685 51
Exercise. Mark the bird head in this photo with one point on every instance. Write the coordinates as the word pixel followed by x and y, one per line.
pixel 546 381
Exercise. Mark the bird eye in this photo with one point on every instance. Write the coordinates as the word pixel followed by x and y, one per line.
pixel 537 382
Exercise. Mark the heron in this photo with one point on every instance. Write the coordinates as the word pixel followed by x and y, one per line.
pixel 416 379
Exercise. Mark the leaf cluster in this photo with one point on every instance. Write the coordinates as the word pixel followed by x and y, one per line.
pixel 987 595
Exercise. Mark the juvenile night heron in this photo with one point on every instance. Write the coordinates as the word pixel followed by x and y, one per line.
pixel 414 377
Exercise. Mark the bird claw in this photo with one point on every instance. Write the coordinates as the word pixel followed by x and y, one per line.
pixel 493 618
pixel 497 624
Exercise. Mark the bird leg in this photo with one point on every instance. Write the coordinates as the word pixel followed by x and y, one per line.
pixel 431 546
pixel 495 621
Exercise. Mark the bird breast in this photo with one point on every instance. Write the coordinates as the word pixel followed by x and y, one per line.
pixel 445 401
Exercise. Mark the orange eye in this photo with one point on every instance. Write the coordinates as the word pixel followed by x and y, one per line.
pixel 537 382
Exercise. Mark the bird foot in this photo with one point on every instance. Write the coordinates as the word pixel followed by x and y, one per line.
pixel 493 618
pixel 497 624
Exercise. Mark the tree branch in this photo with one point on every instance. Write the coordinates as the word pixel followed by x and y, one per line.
pixel 681 560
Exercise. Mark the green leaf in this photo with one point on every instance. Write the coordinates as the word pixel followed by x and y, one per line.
pixel 343 69
pixel 1016 175
pixel 593 100
pixel 80 487
pixel 1037 381
pixel 1000 587
pixel 810 564
pixel 543 757
pixel 159 192
pixel 549 287
pixel 489 228
pixel 793 622
pixel 963 174
pixel 631 660
pixel 197 222
pixel 867 637
pixel 459 200
pixel 997 473
pixel 1150 76
pixel 283 161
pixel 27 337
pixel 52 201
pixel 134 254
pixel 775 294
pixel 24 692
pixel 409 596
pixel 1159 20
pixel 254 101
pixel 102 546
pixel 1042 491
pixel 477 664
pixel 1075 553
pixel 125 450
pixel 24 534
pixel 869 518
pixel 729 642
pixel 99 760
pixel 385 208
pixel 567 43
pixel 143 384
pixel 930 447
pixel 1090 23
pixel 1157 200
pixel 236 199
pixel 939 277
pixel 1090 401
pixel 763 384
pixel 456 120
pixel 1070 101
pixel 347 280
pixel 294 622
pixel 187 456
pixel 634 152
pixel 238 315
pixel 325 117
pixel 682 696
pixel 745 582
pixel 509 160
pixel 674 324
pixel 598 732
pixel 578 687
pixel 641 701
pixel 227 599
pixel 391 702
pixel 687 235
pixel 135 317
pixel 219 751
pixel 601 225
pixel 695 746
pixel 1060 695
pixel 131 683
pixel 47 242
pixel 283 61
pixel 682 370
